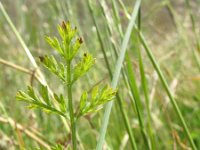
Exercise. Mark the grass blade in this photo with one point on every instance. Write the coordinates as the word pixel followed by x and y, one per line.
pixel 18 36
pixel 194 29
pixel 145 90
pixel 137 99
pixel 166 87
pixel 119 100
pixel 117 74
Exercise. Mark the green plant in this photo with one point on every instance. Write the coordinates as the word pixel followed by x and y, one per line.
pixel 68 74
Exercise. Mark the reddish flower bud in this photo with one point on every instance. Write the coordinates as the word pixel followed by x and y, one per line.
pixel 63 25
pixel 80 40
pixel 85 54
pixel 41 58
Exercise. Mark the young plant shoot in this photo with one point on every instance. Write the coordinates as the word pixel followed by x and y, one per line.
pixel 68 73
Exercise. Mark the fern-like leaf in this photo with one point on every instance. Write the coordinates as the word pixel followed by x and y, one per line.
pixel 36 101
pixel 52 65
pixel 83 66
pixel 96 100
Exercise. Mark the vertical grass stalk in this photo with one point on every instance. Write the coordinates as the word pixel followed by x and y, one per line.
pixel 146 96
pixel 137 99
pixel 166 87
pixel 183 35
pixel 117 71
pixel 145 90
pixel 196 54
pixel 119 100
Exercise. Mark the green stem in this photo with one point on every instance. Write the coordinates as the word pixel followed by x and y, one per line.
pixel 167 89
pixel 70 104
pixel 136 99
pixel 116 75
pixel 127 123
pixel 145 89
pixel 119 100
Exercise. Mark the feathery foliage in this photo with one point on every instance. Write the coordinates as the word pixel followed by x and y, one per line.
pixel 69 74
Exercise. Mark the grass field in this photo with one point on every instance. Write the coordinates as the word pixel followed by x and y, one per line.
pixel 148 50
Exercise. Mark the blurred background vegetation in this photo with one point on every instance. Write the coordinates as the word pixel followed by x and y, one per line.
pixel 171 35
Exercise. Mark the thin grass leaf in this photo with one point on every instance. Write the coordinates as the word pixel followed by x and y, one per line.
pixel 194 29
pixel 146 95
pixel 183 34
pixel 166 87
pixel 136 96
pixel 115 79
pixel 119 100
pixel 145 89
pixel 18 36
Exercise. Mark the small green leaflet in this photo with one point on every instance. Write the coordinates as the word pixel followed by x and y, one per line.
pixel 42 100
pixel 94 102
pixel 83 66
pixel 52 65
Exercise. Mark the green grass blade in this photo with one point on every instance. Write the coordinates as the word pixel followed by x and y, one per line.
pixel 146 95
pixel 26 49
pixel 116 17
pixel 99 38
pixel 166 87
pixel 18 36
pixel 136 96
pixel 119 100
pixel 145 90
pixel 197 59
pixel 117 74
pixel 194 29
pixel 193 25
pixel 183 34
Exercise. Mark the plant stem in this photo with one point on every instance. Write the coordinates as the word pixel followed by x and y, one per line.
pixel 147 101
pixel 136 99
pixel 70 104
pixel 145 89
pixel 28 53
pixel 116 75
pixel 167 89
pixel 119 100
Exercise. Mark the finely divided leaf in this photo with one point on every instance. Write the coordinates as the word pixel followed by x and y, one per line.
pixel 83 66
pixel 74 47
pixel 66 32
pixel 44 94
pixel 52 65
pixel 31 93
pixel 55 44
pixel 60 99
pixel 36 101
pixel 97 98
pixel 83 100
pixel 95 92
